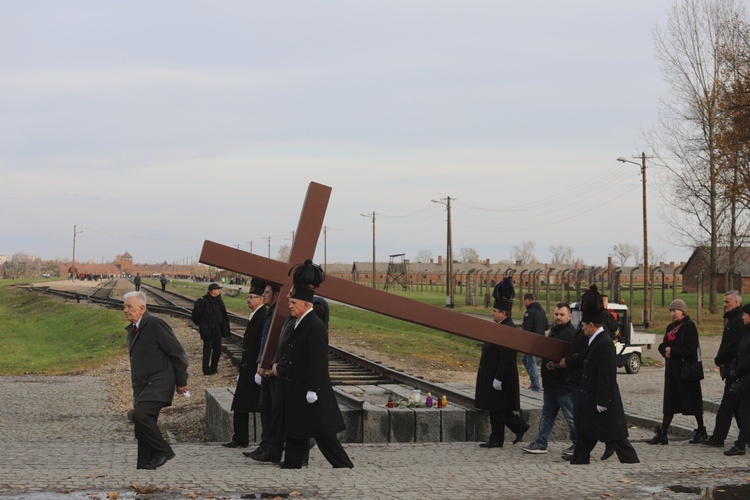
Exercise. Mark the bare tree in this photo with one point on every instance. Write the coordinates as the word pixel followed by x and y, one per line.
pixel 284 253
pixel 637 255
pixel 561 254
pixel 469 255
pixel 525 252
pixel 622 252
pixel 423 256
pixel 688 49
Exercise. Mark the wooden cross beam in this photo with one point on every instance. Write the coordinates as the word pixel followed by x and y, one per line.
pixel 303 247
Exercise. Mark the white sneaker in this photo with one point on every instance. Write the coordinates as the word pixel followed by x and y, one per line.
pixel 535 448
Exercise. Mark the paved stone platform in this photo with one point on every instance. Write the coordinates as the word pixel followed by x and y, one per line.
pixel 59 440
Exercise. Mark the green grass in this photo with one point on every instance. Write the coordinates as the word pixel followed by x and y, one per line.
pixel 43 335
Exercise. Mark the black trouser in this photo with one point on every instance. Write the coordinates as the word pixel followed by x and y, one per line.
pixel 730 406
pixel 211 354
pixel 267 396
pixel 330 447
pixel 625 451
pixel 500 419
pixel 743 408
pixel 150 441
pixel 241 424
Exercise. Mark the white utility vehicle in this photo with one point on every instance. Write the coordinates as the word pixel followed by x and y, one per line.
pixel 629 343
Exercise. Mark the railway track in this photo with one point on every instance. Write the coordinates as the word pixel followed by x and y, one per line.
pixel 345 368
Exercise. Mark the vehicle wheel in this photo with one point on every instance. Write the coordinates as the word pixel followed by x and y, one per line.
pixel 633 363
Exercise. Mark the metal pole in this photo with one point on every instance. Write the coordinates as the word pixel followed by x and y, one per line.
pixel 646 316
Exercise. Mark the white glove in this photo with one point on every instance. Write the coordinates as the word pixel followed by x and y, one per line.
pixel 311 397
pixel 601 409
pixel 258 379
pixel 497 385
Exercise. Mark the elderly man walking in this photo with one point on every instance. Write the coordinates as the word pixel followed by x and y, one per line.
pixel 158 368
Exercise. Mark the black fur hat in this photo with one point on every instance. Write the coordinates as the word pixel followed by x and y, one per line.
pixel 257 286
pixel 306 278
pixel 503 294
pixel 592 306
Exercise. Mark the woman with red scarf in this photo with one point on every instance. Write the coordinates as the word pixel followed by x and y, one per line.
pixel 680 346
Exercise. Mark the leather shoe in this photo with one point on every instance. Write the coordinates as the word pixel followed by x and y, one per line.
pixel 256 451
pixel 232 444
pixel 519 435
pixel 264 457
pixel 158 461
pixel 567 458
pixel 710 441
pixel 290 465
pixel 734 451
pixel 608 452
pixel 491 444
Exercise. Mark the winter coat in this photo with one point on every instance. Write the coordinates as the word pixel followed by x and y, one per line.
pixel 303 367
pixel 559 378
pixel 575 360
pixel 247 394
pixel 210 314
pixel 599 387
pixel 740 365
pixel 500 363
pixel 730 340
pixel 681 396
pixel 158 363
pixel 534 319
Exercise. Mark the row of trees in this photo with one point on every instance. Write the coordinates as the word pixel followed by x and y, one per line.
pixel 702 139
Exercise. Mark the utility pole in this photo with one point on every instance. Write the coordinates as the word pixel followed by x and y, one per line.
pixel 73 266
pixel 373 244
pixel 325 249
pixel 449 298
pixel 269 245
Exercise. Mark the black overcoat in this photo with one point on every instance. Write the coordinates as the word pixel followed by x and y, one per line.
pixel 158 363
pixel 210 314
pixel 304 367
pixel 247 394
pixel 681 396
pixel 500 363
pixel 599 387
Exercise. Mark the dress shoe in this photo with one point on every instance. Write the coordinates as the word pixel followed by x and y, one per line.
pixel 232 444
pixel 567 458
pixel 734 451
pixel 700 435
pixel 256 451
pixel 491 444
pixel 608 452
pixel 158 461
pixel 290 465
pixel 264 457
pixel 710 441
pixel 519 435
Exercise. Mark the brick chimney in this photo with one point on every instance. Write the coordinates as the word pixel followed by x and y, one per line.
pixel 440 260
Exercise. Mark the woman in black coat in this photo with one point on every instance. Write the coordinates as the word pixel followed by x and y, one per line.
pixel 680 346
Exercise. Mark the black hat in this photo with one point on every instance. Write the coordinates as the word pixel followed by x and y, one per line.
pixel 257 287
pixel 213 286
pixel 307 277
pixel 592 306
pixel 503 294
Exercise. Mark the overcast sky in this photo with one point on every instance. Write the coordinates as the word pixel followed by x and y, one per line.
pixel 156 125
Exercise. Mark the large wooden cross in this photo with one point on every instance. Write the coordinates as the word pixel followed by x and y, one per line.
pixel 348 292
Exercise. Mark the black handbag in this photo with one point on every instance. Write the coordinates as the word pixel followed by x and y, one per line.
pixel 693 372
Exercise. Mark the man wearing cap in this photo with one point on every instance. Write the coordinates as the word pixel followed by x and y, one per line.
pixel 497 389
pixel 158 369
pixel 247 394
pixel 730 343
pixel 739 370
pixel 601 413
pixel 307 402
pixel 210 314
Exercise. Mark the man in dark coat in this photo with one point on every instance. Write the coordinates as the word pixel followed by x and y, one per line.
pixel 739 370
pixel 137 282
pixel 497 378
pixel 535 321
pixel 308 405
pixel 247 394
pixel 730 343
pixel 158 367
pixel 558 388
pixel 163 281
pixel 601 413
pixel 210 314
